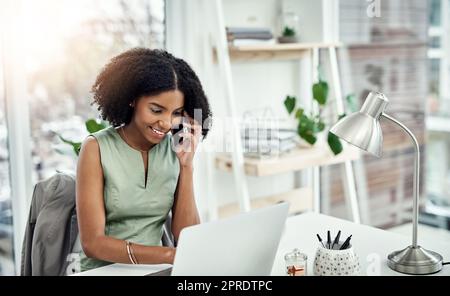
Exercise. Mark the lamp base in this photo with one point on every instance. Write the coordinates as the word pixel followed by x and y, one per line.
pixel 415 260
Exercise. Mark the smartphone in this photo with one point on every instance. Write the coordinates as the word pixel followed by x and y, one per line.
pixel 177 130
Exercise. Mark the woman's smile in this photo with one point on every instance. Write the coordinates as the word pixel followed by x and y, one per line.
pixel 157 132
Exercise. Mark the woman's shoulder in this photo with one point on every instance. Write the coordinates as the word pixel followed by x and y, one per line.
pixel 104 136
pixel 89 151
pixel 104 141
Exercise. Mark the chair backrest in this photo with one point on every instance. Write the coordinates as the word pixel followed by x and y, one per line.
pixel 51 228
pixel 167 237
pixel 77 245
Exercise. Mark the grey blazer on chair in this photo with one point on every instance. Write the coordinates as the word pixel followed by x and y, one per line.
pixel 52 227
pixel 51 234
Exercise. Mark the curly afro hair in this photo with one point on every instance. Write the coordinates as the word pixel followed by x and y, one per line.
pixel 142 72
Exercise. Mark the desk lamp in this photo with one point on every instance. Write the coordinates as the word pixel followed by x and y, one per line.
pixel 362 129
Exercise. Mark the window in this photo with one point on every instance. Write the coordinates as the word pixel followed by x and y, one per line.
pixel 80 37
pixel 438 119
pixel 65 45
pixel 6 229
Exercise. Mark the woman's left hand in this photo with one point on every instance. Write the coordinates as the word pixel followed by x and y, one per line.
pixel 186 150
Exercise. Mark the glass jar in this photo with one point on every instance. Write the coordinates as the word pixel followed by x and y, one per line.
pixel 289 27
pixel 296 263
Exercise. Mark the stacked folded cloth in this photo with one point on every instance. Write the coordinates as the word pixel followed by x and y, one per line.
pixel 259 142
pixel 243 36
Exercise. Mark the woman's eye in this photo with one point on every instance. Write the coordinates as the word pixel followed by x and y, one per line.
pixel 178 113
pixel 155 110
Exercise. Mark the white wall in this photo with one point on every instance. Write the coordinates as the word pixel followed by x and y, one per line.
pixel 251 13
pixel 256 84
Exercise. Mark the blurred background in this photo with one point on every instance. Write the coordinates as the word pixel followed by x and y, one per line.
pixel 52 50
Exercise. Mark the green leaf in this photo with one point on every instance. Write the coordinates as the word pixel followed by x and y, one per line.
pixel 305 123
pixel 299 113
pixel 288 32
pixel 352 104
pixel 306 129
pixel 320 92
pixel 334 143
pixel 76 146
pixel 342 116
pixel 289 103
pixel 320 126
pixel 92 126
pixel 308 137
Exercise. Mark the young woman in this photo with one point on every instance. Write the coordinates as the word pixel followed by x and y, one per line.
pixel 129 176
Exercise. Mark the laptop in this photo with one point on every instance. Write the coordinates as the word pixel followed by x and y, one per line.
pixel 245 244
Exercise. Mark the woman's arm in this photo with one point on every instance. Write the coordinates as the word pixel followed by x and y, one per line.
pixel 91 215
pixel 184 210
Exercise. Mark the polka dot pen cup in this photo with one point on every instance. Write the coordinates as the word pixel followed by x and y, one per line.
pixel 335 262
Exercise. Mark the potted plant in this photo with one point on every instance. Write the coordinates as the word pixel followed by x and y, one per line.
pixel 289 27
pixel 311 126
pixel 92 126
pixel 288 35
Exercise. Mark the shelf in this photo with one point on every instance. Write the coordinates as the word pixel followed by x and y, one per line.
pixel 294 160
pixel 281 51
pixel 299 199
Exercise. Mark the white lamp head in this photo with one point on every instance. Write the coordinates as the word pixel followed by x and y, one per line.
pixel 362 128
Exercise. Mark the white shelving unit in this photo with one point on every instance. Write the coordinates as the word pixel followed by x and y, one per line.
pixel 295 160
pixel 311 158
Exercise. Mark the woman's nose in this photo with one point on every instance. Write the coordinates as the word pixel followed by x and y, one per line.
pixel 165 124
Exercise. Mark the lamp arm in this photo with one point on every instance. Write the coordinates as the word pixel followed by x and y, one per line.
pixel 416 176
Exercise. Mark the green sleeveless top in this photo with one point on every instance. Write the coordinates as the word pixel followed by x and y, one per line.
pixel 135 211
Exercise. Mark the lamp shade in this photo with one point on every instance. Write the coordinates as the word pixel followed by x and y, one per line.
pixel 362 128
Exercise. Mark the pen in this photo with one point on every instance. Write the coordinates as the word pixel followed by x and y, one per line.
pixel 346 243
pixel 328 239
pixel 336 239
pixel 320 240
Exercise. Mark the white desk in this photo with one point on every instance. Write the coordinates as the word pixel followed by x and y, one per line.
pixel 372 245
pixel 369 243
